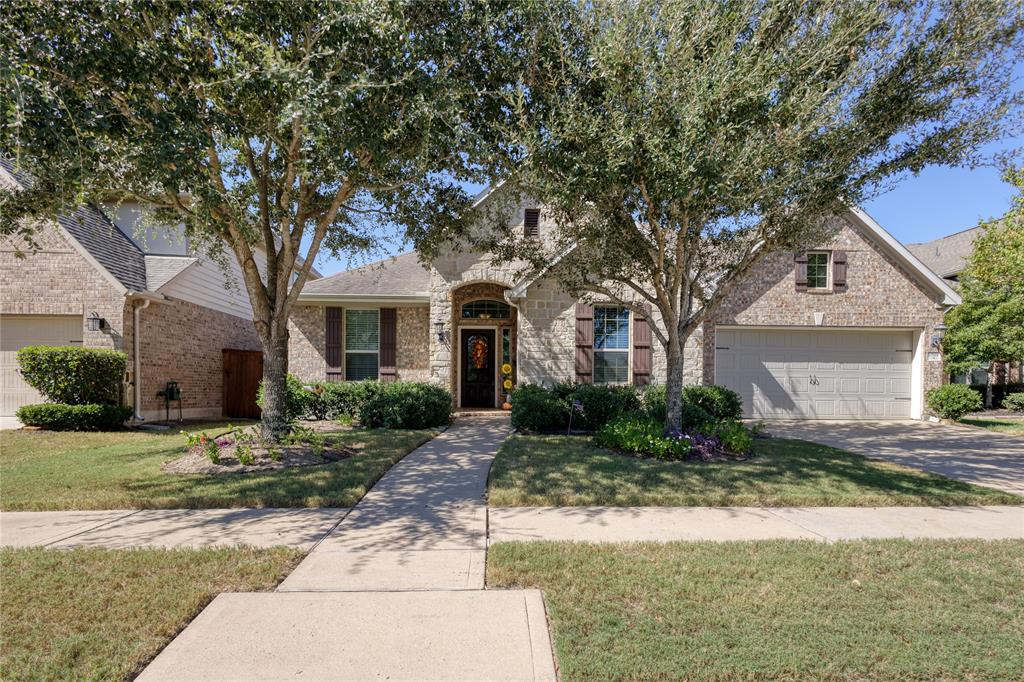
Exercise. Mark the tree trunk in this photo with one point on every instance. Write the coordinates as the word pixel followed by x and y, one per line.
pixel 674 383
pixel 274 415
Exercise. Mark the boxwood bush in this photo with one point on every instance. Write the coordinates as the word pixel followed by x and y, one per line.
pixel 299 401
pixel 953 401
pixel 63 417
pixel 655 404
pixel 346 398
pixel 72 374
pixel 407 405
pixel 601 403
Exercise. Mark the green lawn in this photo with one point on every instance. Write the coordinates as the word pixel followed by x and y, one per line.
pixel 870 610
pixel 1000 425
pixel 571 471
pixel 96 614
pixel 42 470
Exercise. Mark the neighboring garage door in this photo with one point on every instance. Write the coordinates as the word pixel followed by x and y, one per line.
pixel 817 374
pixel 30 330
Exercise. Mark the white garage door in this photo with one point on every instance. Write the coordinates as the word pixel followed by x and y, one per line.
pixel 817 374
pixel 30 330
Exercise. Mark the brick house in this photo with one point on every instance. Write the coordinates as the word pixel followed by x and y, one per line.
pixel 845 331
pixel 173 312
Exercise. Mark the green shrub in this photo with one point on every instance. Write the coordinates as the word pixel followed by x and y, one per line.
pixel 537 409
pixel 718 401
pixel 953 401
pixel 696 400
pixel 601 403
pixel 641 435
pixel 72 374
pixel 407 405
pixel 734 436
pixel 1014 401
pixel 343 399
pixel 299 401
pixel 63 417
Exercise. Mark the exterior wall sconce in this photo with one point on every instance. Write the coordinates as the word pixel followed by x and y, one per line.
pixel 939 333
pixel 94 322
pixel 439 330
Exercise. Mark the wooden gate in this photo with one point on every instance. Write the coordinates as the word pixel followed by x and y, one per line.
pixel 243 370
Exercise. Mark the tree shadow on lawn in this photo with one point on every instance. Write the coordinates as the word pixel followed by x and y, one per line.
pixel 560 470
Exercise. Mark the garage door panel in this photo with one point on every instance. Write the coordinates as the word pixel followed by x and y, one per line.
pixel 818 374
pixel 16 332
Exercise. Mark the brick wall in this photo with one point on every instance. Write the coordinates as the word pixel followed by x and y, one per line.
pixel 183 342
pixel 879 293
pixel 57 280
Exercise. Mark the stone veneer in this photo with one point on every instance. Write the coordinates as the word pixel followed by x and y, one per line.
pixel 879 294
pixel 307 343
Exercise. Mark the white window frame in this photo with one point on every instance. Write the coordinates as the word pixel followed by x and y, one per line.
pixel 627 351
pixel 344 337
pixel 828 270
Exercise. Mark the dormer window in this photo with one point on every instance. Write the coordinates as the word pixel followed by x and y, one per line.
pixel 531 223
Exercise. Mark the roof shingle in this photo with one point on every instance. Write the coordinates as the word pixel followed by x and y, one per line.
pixel 401 275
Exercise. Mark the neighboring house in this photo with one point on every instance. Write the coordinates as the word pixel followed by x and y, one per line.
pixel 172 312
pixel 844 331
pixel 948 256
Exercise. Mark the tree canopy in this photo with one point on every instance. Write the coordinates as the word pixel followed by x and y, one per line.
pixel 675 144
pixel 275 127
pixel 988 327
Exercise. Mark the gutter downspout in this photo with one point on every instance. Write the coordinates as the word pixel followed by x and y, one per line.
pixel 136 360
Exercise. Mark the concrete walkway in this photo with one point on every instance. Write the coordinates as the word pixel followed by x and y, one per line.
pixel 666 524
pixel 394 591
pixel 169 528
pixel 963 453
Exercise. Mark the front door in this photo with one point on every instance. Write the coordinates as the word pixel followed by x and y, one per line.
pixel 477 368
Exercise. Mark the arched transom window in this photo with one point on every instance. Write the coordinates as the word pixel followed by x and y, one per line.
pixel 486 310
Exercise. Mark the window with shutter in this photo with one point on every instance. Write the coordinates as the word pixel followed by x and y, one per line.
pixel 611 345
pixel 584 343
pixel 531 224
pixel 388 344
pixel 801 271
pixel 642 348
pixel 362 344
pixel 839 269
pixel 332 344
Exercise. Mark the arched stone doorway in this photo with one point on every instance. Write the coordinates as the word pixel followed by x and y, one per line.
pixel 484 339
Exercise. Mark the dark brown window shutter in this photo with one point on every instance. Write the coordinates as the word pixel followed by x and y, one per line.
pixel 839 269
pixel 801 271
pixel 332 345
pixel 584 343
pixel 388 344
pixel 531 225
pixel 642 347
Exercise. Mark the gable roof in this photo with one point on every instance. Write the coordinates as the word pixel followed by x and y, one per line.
pixel 948 255
pixel 99 238
pixel 399 278
pixel 162 269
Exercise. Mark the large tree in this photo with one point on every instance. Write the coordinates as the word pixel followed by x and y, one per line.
pixel 676 143
pixel 281 127
pixel 988 327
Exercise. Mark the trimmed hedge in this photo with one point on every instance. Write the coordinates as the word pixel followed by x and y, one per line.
pixel 72 374
pixel 298 401
pixel 407 405
pixel 655 405
pixel 718 401
pixel 535 408
pixel 953 401
pixel 63 417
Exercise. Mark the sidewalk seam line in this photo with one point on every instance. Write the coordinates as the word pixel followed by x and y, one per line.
pixel 824 538
pixel 91 529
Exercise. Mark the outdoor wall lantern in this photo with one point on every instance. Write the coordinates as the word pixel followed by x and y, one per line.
pixel 939 333
pixel 439 328
pixel 95 322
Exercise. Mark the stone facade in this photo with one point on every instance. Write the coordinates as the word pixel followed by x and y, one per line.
pixel 307 354
pixel 184 342
pixel 413 341
pixel 880 293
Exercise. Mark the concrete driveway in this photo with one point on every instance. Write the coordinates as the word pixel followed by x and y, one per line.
pixel 964 453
